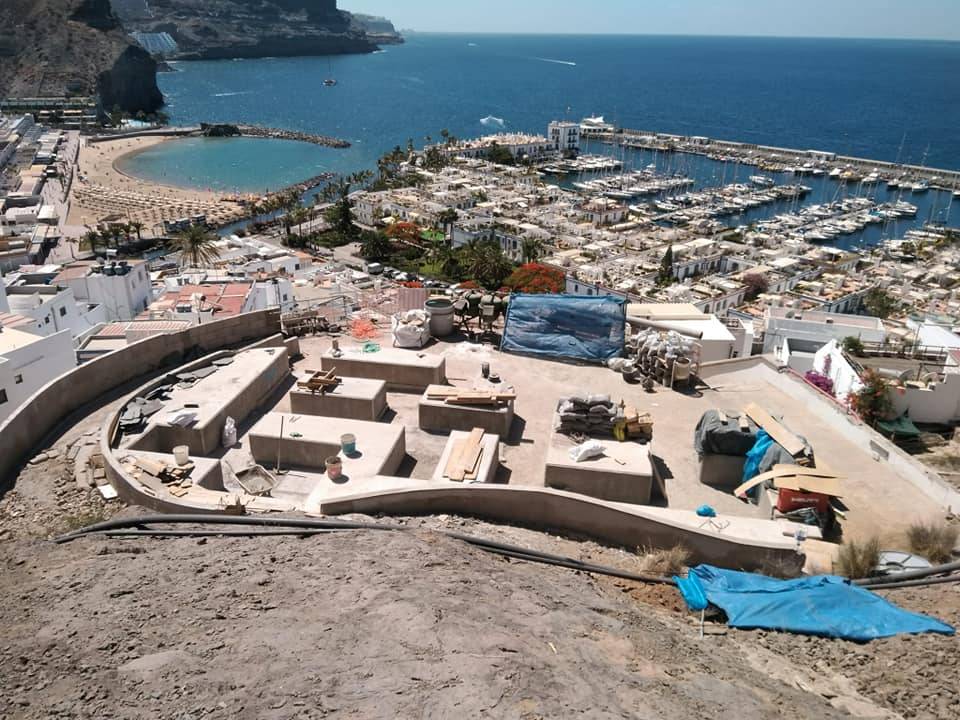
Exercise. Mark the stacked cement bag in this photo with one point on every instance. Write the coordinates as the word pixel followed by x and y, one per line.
pixel 587 414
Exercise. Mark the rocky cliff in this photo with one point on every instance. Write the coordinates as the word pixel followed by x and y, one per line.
pixel 54 48
pixel 215 29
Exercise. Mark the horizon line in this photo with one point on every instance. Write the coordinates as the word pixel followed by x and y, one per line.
pixel 670 34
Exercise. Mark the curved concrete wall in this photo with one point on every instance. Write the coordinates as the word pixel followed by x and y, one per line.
pixel 613 523
pixel 52 404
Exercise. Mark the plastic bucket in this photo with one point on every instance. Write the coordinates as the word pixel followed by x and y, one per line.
pixel 181 454
pixel 348 443
pixel 441 316
pixel 334 467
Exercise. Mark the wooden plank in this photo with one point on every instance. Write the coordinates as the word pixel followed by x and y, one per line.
pixel 824 486
pixel 808 471
pixel 790 442
pixel 762 478
pixel 472 400
pixel 465 459
pixel 454 460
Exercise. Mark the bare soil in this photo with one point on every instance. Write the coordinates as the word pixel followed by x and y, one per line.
pixel 414 624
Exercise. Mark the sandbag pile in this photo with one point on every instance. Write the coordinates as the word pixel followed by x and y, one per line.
pixel 588 414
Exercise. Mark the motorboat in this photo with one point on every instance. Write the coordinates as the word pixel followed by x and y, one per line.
pixel 762 181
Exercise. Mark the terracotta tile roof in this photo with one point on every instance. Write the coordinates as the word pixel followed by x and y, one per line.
pixel 226 299
pixel 12 320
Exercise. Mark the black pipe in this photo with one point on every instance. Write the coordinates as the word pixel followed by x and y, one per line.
pixel 515 551
pixel 909 575
pixel 150 532
pixel 914 583
pixel 221 519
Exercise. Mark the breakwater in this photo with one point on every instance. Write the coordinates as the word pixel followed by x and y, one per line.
pixel 779 159
pixel 279 134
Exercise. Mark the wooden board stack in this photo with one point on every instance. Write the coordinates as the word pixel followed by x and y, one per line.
pixel 786 439
pixel 319 381
pixel 638 424
pixel 464 461
pixel 462 396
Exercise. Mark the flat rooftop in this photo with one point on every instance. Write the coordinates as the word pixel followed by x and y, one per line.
pixel 732 386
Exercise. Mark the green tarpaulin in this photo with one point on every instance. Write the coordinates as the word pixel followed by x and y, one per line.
pixel 901 427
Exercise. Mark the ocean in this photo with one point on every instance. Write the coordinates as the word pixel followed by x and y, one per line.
pixel 883 99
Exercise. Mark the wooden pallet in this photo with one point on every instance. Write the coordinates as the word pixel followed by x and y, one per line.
pixel 319 381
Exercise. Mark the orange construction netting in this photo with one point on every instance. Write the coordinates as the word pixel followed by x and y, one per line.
pixel 363 329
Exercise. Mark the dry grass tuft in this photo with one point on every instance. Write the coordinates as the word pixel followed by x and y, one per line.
pixel 858 559
pixel 664 562
pixel 933 541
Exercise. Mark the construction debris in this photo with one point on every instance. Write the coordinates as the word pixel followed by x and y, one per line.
pixel 175 477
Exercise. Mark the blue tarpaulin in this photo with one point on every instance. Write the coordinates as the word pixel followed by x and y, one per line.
pixel 823 605
pixel 575 327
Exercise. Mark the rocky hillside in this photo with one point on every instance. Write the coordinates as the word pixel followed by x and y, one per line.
pixel 213 29
pixel 73 47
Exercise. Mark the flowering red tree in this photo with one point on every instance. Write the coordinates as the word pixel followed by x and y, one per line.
pixel 404 231
pixel 536 278
pixel 469 285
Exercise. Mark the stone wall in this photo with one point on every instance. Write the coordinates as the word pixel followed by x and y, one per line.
pixel 52 405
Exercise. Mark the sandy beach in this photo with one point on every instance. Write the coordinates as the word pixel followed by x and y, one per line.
pixel 101 191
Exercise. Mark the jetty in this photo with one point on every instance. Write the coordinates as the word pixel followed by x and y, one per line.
pixel 223 130
pixel 780 159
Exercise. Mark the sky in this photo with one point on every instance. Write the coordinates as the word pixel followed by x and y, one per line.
pixel 934 19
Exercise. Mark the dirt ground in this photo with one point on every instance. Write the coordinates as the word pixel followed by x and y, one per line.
pixel 400 625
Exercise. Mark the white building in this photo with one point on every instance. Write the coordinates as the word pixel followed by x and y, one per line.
pixel 715 339
pixel 53 309
pixel 565 136
pixel 794 336
pixel 28 362
pixel 122 288
pixel 592 126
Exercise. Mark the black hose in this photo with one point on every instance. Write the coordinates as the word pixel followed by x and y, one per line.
pixel 220 519
pixel 135 527
pixel 150 532
pixel 914 583
pixel 910 575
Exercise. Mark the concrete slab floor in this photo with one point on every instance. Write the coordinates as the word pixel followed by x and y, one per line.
pixel 877 496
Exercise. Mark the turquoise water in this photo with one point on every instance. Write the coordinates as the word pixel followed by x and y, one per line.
pixel 248 165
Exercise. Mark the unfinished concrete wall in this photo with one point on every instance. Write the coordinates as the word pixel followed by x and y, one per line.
pixel 546 509
pixel 52 404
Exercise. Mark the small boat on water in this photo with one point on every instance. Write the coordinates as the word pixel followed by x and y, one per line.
pixel 762 181
pixel 921 186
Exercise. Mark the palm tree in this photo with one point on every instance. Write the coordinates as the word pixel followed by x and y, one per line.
pixel 374 245
pixel 196 245
pixel 137 227
pixel 531 249
pixel 446 219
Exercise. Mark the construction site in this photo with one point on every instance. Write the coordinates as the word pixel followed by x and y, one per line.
pixel 371 477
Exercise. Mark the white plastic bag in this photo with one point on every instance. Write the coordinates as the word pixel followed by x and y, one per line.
pixel 587 450
pixel 229 436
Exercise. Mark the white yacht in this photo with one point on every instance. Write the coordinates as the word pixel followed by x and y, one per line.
pixel 762 180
